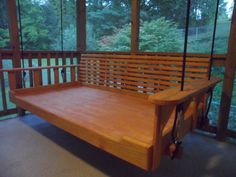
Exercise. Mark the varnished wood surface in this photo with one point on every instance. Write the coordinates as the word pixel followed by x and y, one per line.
pixel 113 121
pixel 38 68
pixel 117 122
pixel 143 74
pixel 175 96
pixel 110 113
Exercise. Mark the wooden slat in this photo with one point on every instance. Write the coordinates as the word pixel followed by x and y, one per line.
pixel 49 70
pixel 37 78
pixel 57 59
pixel 157 62
pixel 40 65
pixel 107 69
pixel 123 80
pixel 35 68
pixel 12 80
pixel 126 84
pixel 154 67
pixel 71 58
pixel 146 80
pixel 159 71
pixel 56 76
pixel 72 74
pixel 146 57
pixel 30 71
pixel 64 69
pixel 146 76
pixel 71 62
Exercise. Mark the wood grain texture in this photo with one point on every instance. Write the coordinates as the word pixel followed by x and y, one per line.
pixel 139 73
pixel 126 130
pixel 127 126
pixel 175 96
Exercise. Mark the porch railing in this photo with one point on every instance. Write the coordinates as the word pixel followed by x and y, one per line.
pixel 33 59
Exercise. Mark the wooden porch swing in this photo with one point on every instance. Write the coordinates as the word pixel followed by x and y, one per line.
pixel 128 105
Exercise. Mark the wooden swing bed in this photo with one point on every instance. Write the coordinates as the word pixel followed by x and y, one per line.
pixel 136 107
pixel 123 104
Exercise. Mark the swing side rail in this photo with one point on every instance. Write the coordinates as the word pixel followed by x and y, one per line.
pixel 193 100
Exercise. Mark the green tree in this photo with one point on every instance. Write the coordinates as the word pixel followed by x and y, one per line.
pixel 4 32
pixel 104 18
pixel 34 31
pixel 157 35
pixel 202 11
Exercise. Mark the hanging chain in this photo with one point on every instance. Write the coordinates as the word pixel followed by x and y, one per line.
pixel 23 74
pixel 213 39
pixel 185 44
pixel 176 135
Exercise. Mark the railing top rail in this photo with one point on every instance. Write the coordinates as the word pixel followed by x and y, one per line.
pixel 38 68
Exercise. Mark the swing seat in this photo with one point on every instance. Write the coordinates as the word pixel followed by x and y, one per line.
pixel 123 104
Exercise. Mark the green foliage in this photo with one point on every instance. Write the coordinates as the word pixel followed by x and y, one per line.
pixel 4 38
pixel 120 41
pixel 69 39
pixel 4 32
pixel 202 42
pixel 105 18
pixel 159 36
pixel 176 11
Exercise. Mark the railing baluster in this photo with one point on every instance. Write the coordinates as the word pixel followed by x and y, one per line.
pixel 57 59
pixel 37 77
pixel 71 58
pixel 40 65
pixel 71 62
pixel 64 69
pixel 56 76
pixel 72 69
pixel 12 80
pixel 49 71
pixel 30 71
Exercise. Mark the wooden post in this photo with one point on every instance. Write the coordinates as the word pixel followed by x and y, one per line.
pixel 135 26
pixel 15 43
pixel 14 34
pixel 81 25
pixel 230 65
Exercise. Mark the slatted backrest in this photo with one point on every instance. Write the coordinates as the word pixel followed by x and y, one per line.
pixel 139 73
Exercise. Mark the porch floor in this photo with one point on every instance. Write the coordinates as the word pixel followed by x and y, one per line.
pixel 32 147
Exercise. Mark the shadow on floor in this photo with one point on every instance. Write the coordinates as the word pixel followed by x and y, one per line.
pixel 203 157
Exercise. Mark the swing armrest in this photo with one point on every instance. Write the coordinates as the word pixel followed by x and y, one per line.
pixel 175 96
pixel 15 75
